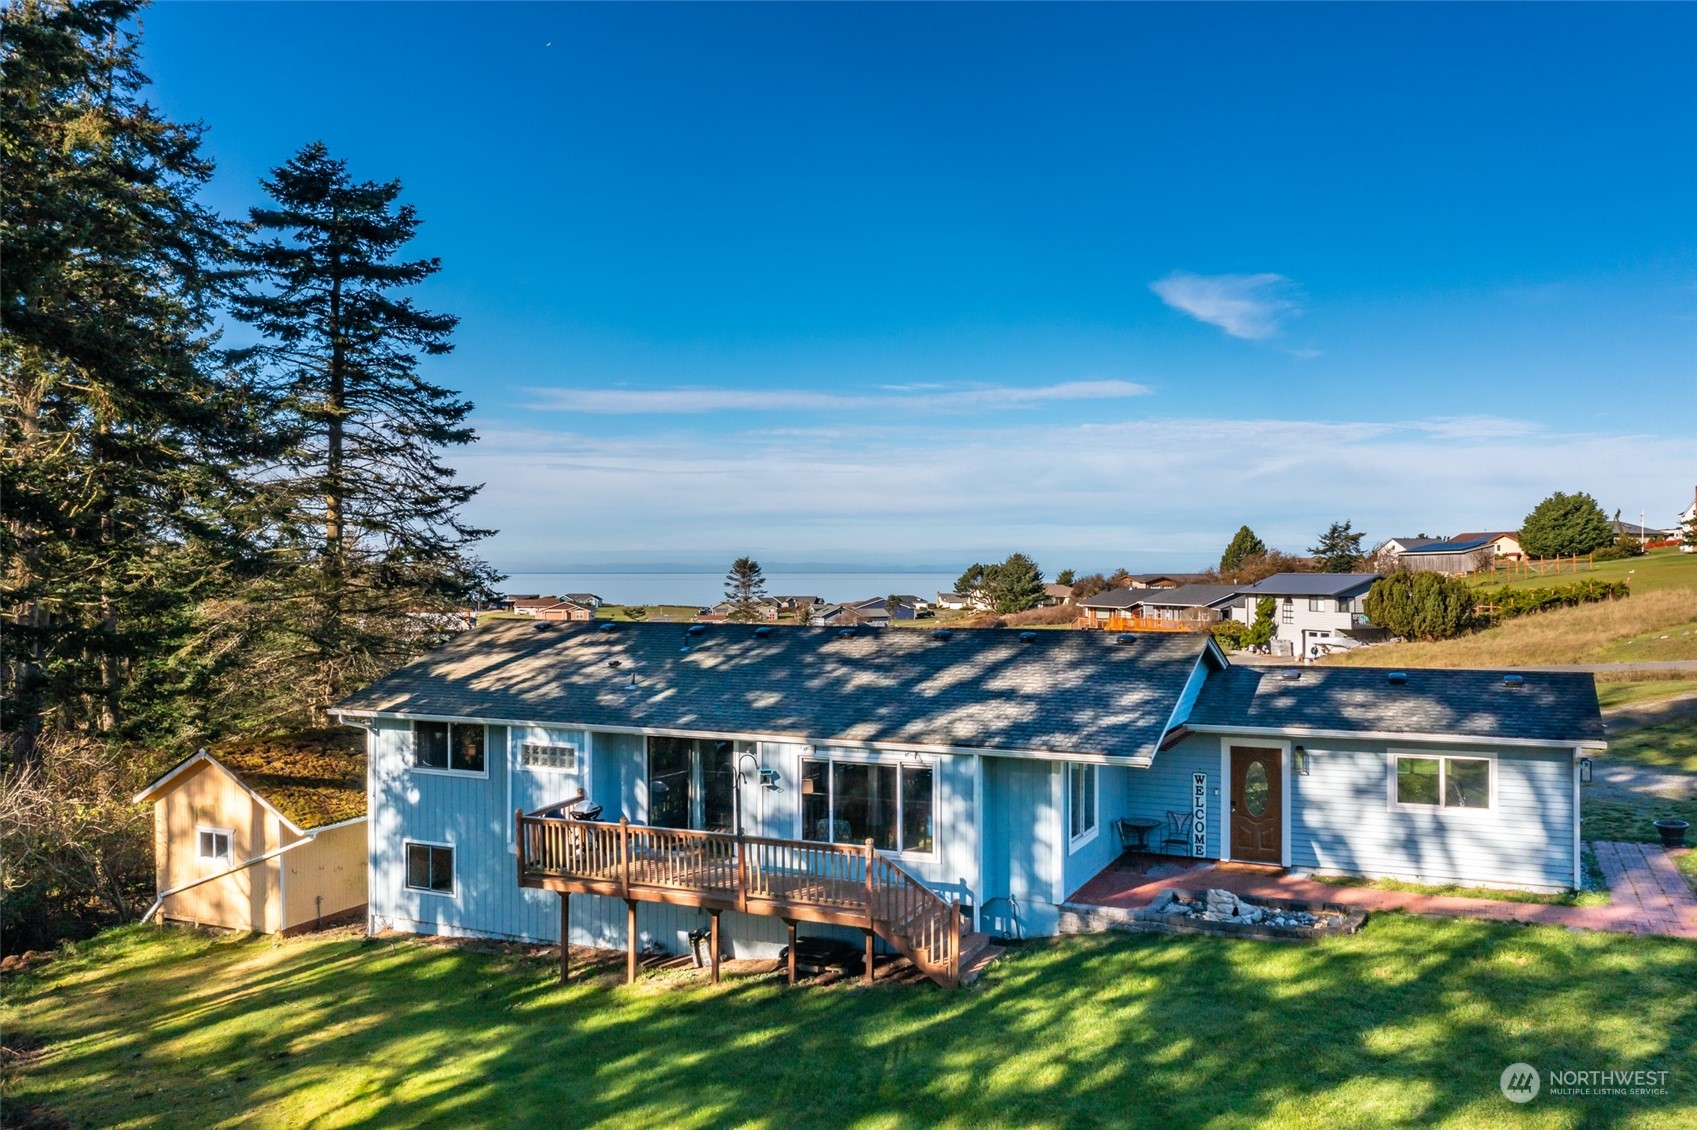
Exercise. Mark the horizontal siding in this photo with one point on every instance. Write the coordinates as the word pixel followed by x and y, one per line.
pixel 1166 787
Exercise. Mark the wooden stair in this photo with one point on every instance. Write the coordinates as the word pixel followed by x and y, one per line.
pixel 977 951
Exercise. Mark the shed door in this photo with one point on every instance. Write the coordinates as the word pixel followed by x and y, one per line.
pixel 1257 800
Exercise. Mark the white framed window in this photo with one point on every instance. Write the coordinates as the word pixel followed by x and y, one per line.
pixel 893 804
pixel 1425 782
pixel 430 867
pixel 1287 613
pixel 450 747
pixel 1318 604
pixel 1082 802
pixel 212 845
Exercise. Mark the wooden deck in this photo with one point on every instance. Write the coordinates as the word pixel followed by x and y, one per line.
pixel 792 880
pixel 1147 624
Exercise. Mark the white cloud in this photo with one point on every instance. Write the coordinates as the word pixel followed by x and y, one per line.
pixel 917 398
pixel 1168 491
pixel 1251 307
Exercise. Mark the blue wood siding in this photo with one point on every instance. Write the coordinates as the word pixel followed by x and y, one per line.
pixel 1342 820
pixel 1166 786
pixel 1024 830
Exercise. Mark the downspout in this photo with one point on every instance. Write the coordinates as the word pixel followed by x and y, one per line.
pixel 243 866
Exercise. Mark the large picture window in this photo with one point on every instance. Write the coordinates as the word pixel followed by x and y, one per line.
pixel 849 802
pixel 430 867
pixel 1443 782
pixel 455 747
pixel 692 783
pixel 1081 792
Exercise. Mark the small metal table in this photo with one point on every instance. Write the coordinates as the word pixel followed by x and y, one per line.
pixel 1134 832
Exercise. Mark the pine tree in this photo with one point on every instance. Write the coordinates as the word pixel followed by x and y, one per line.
pixel 1244 544
pixel 1065 577
pixel 376 532
pixel 121 439
pixel 1018 584
pixel 1565 524
pixel 745 585
pixel 1261 632
pixel 1339 549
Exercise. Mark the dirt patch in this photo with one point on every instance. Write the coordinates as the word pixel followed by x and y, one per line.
pixel 14 963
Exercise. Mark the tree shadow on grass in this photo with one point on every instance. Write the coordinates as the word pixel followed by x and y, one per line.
pixel 1410 1021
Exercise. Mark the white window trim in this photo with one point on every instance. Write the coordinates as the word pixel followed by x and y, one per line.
pixel 1074 843
pixel 875 757
pixel 1224 816
pixel 453 848
pixel 229 835
pixel 1447 811
pixel 432 771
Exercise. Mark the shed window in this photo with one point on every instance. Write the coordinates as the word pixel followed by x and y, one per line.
pixel 213 844
pixel 1443 782
pixel 456 747
pixel 1081 789
pixel 849 802
pixel 430 867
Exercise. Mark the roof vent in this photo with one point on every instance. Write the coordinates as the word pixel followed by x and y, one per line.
pixel 1290 674
pixel 1397 678
pixel 1028 636
pixel 1124 637
pixel 845 633
pixel 941 634
pixel 697 629
pixel 607 627
pixel 612 663
pixel 1514 680
pixel 540 626
pixel 763 631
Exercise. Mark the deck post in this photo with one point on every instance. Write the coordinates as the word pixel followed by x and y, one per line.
pixel 565 935
pixel 869 857
pixel 869 938
pixel 518 842
pixel 790 922
pixel 630 946
pixel 713 940
pixel 624 859
pixel 742 873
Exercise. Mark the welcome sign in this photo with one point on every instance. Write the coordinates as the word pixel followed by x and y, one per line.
pixel 1199 814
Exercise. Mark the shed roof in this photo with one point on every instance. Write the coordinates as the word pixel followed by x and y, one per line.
pixel 1454 545
pixel 1556 707
pixel 1055 692
pixel 312 778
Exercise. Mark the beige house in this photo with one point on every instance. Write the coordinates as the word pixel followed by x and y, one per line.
pixel 266 835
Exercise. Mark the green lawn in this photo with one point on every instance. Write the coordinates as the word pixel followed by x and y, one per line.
pixel 1410 1021
pixel 1611 692
pixel 1453 890
pixel 655 612
pixel 1666 745
pixel 1658 569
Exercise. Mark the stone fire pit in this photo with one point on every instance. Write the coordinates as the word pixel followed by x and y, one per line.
pixel 1226 914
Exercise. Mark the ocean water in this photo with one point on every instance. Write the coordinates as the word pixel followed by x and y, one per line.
pixel 706 588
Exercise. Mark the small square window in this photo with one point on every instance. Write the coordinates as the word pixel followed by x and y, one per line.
pixel 430 867
pixel 213 845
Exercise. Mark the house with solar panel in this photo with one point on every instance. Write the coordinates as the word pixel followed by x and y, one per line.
pixel 1313 613
pixel 632 785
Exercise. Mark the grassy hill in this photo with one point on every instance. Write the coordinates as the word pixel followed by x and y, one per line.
pixel 1657 570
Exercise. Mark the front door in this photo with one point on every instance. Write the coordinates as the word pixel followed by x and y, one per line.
pixel 1257 815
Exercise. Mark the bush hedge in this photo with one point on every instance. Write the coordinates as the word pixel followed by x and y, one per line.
pixel 1509 603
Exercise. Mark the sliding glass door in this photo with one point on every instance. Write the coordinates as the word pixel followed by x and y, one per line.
pixel 692 783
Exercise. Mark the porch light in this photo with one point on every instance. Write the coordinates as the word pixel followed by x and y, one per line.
pixel 1585 770
pixel 1300 760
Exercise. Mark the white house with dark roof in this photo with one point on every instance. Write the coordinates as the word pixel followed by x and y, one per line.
pixel 1312 612
pixel 923 788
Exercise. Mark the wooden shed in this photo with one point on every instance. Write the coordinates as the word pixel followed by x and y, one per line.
pixel 264 834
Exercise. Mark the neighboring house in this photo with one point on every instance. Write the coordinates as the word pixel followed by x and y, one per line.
pixel 1190 605
pixel 952 601
pixel 1163 580
pixel 1687 517
pixel 1394 547
pixel 1097 610
pixel 799 607
pixel 1505 544
pixel 587 599
pixel 980 767
pixel 1312 610
pixel 1056 595
pixel 1458 555
pixel 266 835
pixel 551 608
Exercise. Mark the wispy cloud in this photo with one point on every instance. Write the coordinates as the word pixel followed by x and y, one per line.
pixel 1251 307
pixel 918 398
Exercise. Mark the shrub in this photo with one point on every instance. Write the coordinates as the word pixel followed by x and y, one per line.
pixel 1509 603
pixel 1422 606
pixel 1230 633
pixel 1564 525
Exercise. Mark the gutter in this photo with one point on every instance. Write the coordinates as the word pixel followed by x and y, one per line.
pixel 308 838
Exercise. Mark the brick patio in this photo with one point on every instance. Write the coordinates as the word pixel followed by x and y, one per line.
pixel 1650 895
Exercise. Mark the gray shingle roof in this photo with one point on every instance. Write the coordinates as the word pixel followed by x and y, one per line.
pixel 1309 584
pixel 1116 598
pixel 1059 692
pixel 1189 596
pixel 1559 707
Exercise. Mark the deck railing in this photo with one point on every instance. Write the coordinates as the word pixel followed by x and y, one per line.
pixel 753 874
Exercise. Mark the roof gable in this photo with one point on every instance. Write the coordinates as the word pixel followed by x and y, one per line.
pixel 311 779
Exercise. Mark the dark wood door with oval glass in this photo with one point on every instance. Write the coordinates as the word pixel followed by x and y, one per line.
pixel 1257 805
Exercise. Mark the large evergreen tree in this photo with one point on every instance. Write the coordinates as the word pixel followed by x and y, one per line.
pixel 1565 524
pixel 1339 549
pixel 745 586
pixel 1244 544
pixel 120 439
pixel 376 532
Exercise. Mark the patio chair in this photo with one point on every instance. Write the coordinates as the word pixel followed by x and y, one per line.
pixel 1178 832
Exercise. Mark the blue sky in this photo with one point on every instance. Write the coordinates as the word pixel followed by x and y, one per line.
pixel 921 284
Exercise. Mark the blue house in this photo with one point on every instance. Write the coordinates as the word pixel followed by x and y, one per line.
pixel 919 789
